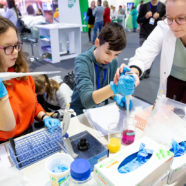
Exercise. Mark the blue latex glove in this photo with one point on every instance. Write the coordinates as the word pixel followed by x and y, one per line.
pixel 51 123
pixel 126 85
pixel 121 101
pixel 178 149
pixel 3 91
pixel 125 69
pixel 142 157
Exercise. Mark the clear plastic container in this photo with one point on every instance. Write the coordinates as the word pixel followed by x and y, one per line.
pixel 114 139
pixel 80 172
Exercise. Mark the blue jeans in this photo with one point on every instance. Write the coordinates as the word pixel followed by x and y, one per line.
pixel 96 26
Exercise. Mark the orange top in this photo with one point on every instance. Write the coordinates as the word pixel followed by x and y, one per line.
pixel 23 101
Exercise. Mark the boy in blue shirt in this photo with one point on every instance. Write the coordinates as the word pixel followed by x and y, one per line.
pixel 95 70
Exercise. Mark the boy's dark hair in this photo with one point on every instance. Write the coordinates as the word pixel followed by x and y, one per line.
pixel 30 10
pixel 114 34
pixel 11 4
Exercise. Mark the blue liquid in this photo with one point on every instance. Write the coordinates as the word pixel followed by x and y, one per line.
pixel 60 168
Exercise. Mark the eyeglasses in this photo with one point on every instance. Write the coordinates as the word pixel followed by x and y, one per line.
pixel 10 49
pixel 179 20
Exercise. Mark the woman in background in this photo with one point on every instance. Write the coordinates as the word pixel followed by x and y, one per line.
pixel 134 14
pixel 169 39
pixel 11 13
pixel 106 15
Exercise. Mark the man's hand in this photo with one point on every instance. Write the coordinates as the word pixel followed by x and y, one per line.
pixel 125 85
pixel 148 14
pixel 122 70
pixel 156 15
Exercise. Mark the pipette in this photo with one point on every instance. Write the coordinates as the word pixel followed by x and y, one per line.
pixel 128 134
pixel 128 97
pixel 65 125
pixel 9 75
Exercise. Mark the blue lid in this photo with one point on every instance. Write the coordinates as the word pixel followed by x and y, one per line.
pixel 80 169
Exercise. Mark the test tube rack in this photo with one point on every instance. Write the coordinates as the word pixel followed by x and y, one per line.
pixel 34 147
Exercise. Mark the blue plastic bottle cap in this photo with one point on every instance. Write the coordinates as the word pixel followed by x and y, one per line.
pixel 80 169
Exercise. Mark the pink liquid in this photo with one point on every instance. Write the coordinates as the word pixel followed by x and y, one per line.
pixel 128 137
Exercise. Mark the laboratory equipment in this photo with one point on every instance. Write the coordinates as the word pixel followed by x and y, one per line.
pixel 31 148
pixel 65 124
pixel 128 134
pixel 80 171
pixel 58 167
pixel 88 147
pixel 9 75
pixel 114 139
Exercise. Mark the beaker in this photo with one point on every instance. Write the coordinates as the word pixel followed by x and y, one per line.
pixel 128 134
pixel 114 139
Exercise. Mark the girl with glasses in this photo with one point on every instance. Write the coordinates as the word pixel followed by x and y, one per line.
pixel 169 38
pixel 18 102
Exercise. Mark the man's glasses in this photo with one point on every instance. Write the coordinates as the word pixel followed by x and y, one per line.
pixel 10 49
pixel 179 20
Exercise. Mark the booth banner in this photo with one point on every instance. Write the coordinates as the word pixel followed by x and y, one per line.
pixel 71 3
pixel 83 9
pixel 69 12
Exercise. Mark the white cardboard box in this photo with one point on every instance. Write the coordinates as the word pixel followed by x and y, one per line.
pixel 177 169
pixel 106 172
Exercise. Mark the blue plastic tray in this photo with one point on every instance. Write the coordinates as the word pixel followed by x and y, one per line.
pixel 35 146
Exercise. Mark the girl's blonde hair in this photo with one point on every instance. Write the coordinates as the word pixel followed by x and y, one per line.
pixel 105 4
pixel 42 81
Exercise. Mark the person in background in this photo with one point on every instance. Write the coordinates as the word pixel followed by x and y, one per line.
pixel 30 10
pixel 98 13
pixel 121 11
pixel 56 15
pixel 31 19
pixel 18 102
pixel 150 13
pixel 139 5
pixel 106 15
pixel 55 94
pixel 39 12
pixel 113 13
pixel 121 15
pixel 134 14
pixel 95 70
pixel 11 12
pixel 169 38
pixel 2 10
pixel 91 19
pixel 48 14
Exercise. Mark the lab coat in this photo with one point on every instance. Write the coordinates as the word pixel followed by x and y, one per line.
pixel 161 39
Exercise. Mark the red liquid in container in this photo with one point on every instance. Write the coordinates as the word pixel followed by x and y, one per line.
pixel 128 136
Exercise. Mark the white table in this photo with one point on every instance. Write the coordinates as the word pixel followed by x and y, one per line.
pixel 36 173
